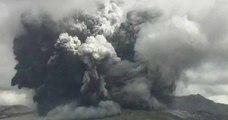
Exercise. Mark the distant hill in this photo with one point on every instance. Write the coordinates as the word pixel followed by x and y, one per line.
pixel 198 103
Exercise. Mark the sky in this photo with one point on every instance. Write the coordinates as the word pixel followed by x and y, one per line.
pixel 209 79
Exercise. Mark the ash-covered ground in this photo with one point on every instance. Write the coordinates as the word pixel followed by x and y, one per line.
pixel 193 107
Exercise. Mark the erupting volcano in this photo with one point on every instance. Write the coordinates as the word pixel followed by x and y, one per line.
pixel 90 65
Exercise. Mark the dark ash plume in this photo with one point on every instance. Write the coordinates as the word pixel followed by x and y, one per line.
pixel 93 64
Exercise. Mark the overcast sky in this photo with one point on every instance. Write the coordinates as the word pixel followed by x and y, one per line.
pixel 209 79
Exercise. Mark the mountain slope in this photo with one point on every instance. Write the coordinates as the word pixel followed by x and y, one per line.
pixel 197 103
pixel 192 107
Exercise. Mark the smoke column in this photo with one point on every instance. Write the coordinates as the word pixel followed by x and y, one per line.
pixel 89 65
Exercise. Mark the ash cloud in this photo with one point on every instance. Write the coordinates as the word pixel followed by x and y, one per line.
pixel 11 26
pixel 94 61
pixel 72 111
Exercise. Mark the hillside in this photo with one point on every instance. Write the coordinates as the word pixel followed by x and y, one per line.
pixel 193 107
pixel 197 103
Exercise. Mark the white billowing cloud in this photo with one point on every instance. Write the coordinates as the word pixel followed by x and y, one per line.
pixel 174 45
pixel 177 31
pixel 92 52
pixel 111 16
pixel 214 23
pixel 11 97
pixel 99 48
pixel 200 24
pixel 68 43
pixel 72 111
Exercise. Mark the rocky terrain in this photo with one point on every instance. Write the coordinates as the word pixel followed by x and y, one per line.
pixel 193 107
